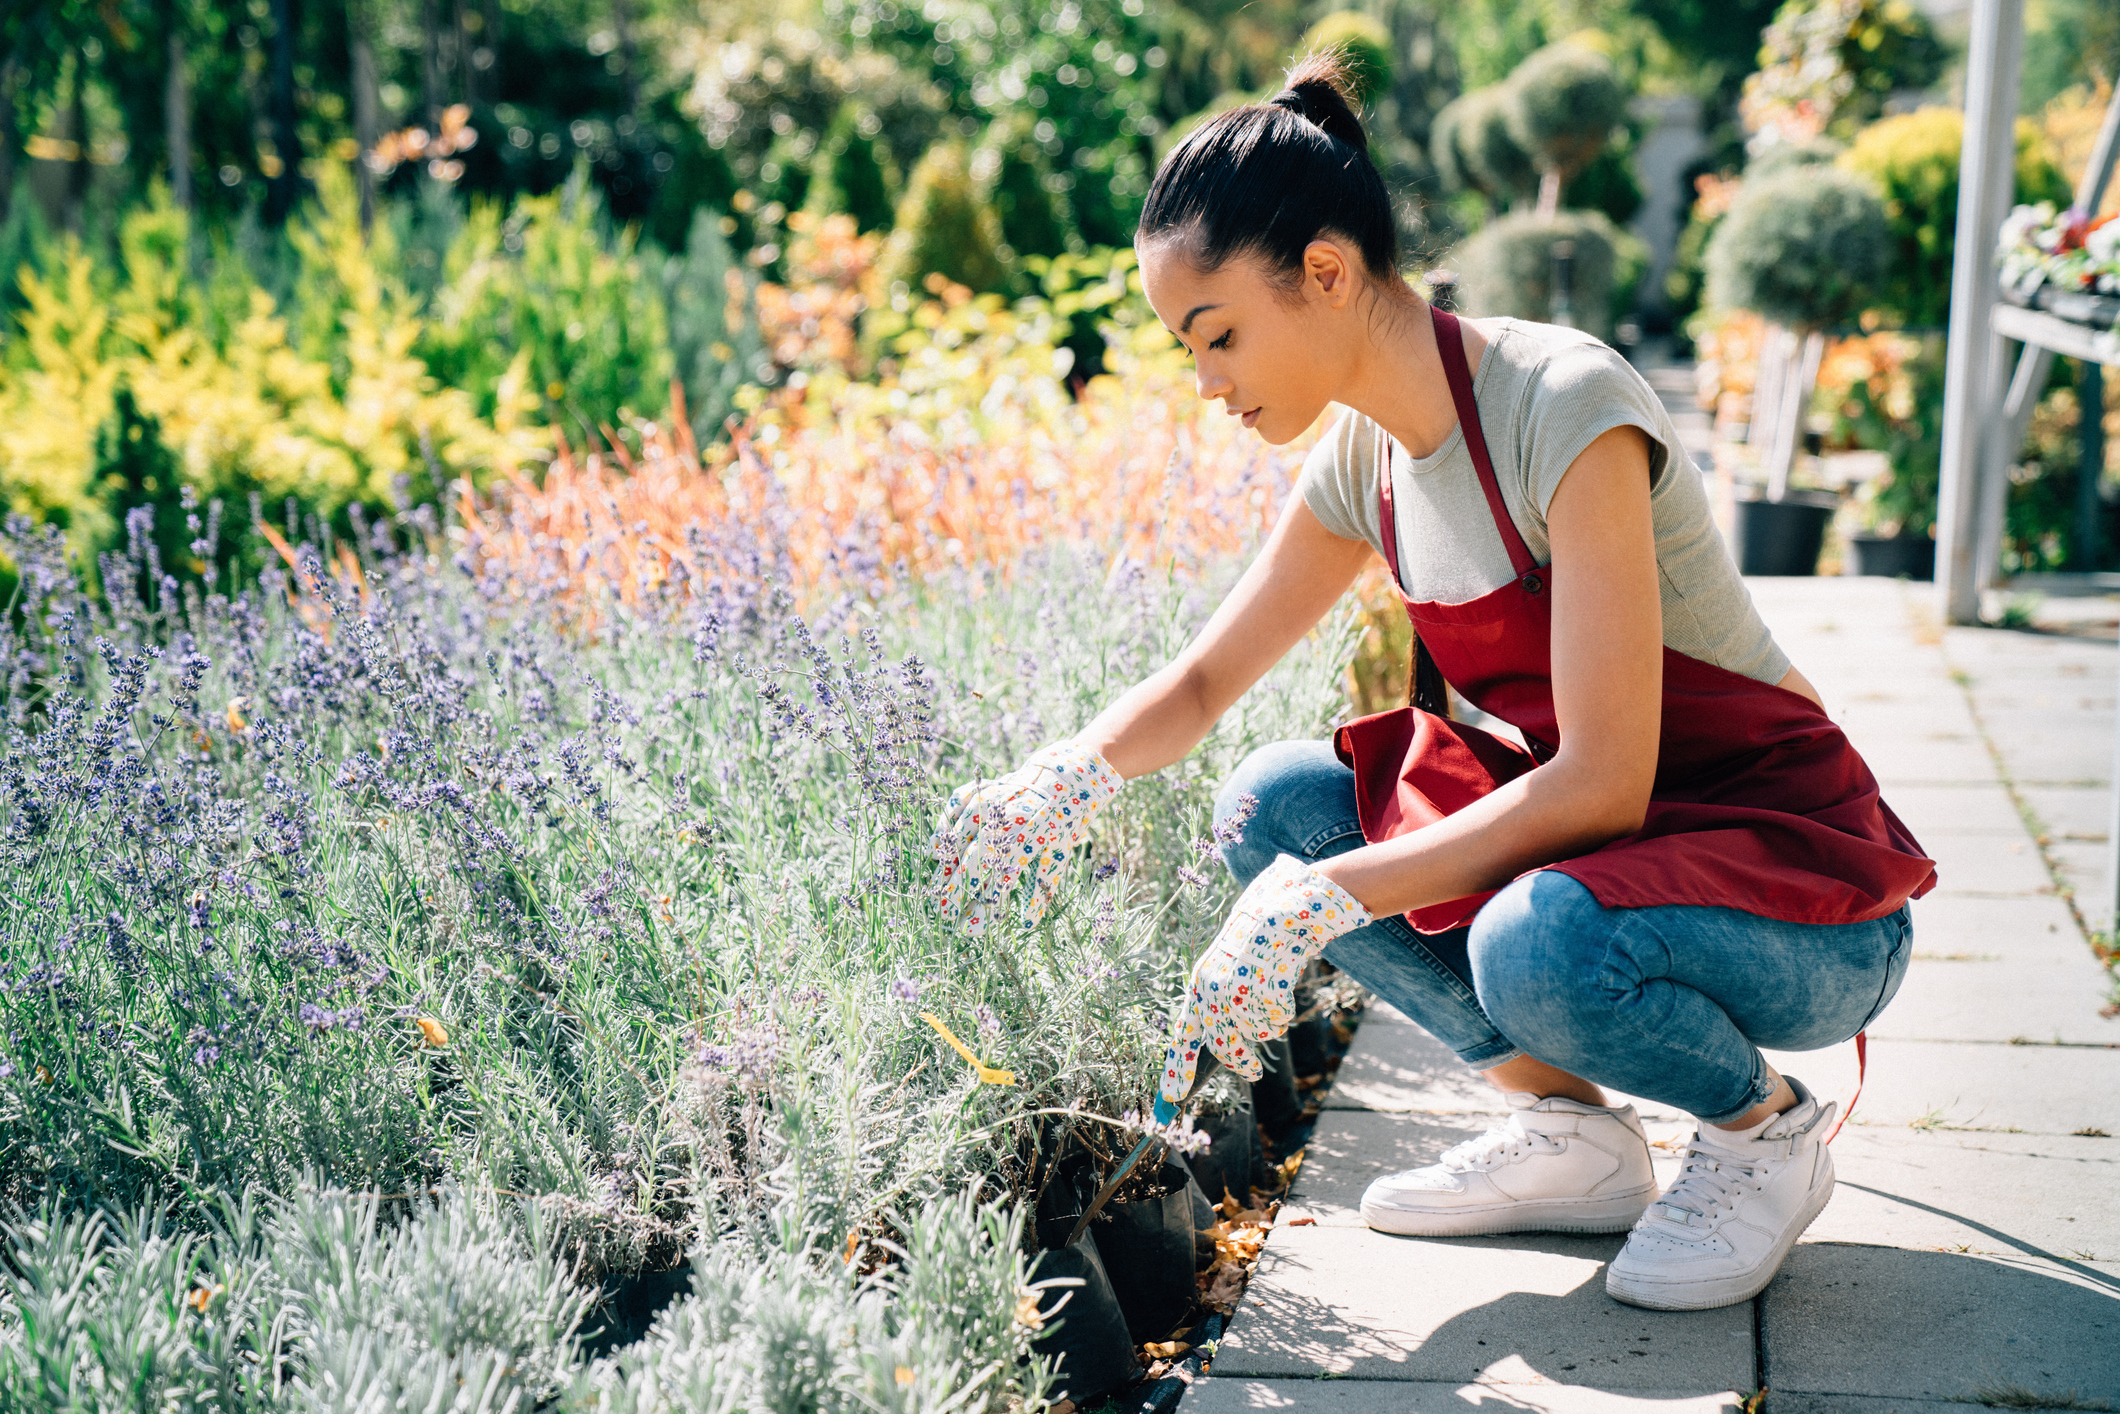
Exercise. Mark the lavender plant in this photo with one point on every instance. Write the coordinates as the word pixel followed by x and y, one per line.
pixel 404 868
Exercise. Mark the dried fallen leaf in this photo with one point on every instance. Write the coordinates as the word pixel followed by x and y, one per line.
pixel 1224 1291
pixel 437 1034
pixel 1302 1222
pixel 1027 1313
pixel 1165 1349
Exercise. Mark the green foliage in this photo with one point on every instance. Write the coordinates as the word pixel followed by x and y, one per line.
pixel 2066 43
pixel 1905 422
pixel 1808 248
pixel 1474 148
pixel 1834 62
pixel 1507 268
pixel 714 354
pixel 1365 42
pixel 849 174
pixel 1034 215
pixel 946 227
pixel 546 283
pixel 1563 103
pixel 1912 159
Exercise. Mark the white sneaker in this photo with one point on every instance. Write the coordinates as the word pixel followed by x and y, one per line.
pixel 1740 1201
pixel 1555 1166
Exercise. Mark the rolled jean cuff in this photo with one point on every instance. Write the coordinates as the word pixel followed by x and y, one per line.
pixel 1756 1093
pixel 1488 1056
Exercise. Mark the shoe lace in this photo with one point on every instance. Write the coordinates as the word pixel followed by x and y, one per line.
pixel 1709 1183
pixel 1502 1144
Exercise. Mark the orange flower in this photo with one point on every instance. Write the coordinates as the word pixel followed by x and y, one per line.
pixel 437 1034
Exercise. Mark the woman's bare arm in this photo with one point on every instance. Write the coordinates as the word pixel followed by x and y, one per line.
pixel 1607 691
pixel 1300 573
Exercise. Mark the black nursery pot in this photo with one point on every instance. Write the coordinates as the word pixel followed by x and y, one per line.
pixel 1232 1161
pixel 1306 1044
pixel 1089 1334
pixel 1783 537
pixel 1894 556
pixel 1147 1250
pixel 1273 1094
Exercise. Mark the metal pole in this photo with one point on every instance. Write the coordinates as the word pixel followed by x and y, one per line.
pixel 1986 172
pixel 2090 463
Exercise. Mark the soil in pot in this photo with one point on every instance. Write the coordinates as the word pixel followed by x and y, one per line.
pixel 1783 537
pixel 629 1305
pixel 1089 1333
pixel 1894 556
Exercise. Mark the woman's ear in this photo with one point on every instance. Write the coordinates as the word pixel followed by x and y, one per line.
pixel 1327 273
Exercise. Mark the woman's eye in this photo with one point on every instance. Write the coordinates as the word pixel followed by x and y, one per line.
pixel 1223 342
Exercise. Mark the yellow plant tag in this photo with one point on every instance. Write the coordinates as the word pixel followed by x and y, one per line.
pixel 987 1074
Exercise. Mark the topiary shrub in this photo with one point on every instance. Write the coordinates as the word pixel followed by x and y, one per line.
pixel 1365 42
pixel 1473 148
pixel 1807 249
pixel 1507 268
pixel 1561 105
pixel 1912 159
pixel 945 227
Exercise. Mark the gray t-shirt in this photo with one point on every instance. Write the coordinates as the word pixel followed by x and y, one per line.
pixel 1545 393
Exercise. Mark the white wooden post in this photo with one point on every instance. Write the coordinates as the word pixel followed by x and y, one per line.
pixel 1986 178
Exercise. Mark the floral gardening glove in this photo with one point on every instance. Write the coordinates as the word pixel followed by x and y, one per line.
pixel 1243 986
pixel 1022 826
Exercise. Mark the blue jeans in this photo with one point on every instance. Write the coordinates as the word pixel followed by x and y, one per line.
pixel 1671 1003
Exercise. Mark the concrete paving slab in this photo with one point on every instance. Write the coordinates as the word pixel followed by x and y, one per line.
pixel 1849 1320
pixel 1507 1310
pixel 1900 762
pixel 1217 1395
pixel 1988 864
pixel 2059 999
pixel 1861 1404
pixel 2026 929
pixel 1958 810
pixel 2034 1089
pixel 1396 1066
pixel 1997 1195
pixel 2078 812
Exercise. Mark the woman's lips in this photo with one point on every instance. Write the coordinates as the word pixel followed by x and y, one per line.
pixel 1251 419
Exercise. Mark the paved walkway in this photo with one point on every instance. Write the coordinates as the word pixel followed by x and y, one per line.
pixel 1972 1248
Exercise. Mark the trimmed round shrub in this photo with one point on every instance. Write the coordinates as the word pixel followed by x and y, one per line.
pixel 945 227
pixel 1507 268
pixel 1807 249
pixel 1788 156
pixel 1365 42
pixel 1562 104
pixel 1912 158
pixel 1473 147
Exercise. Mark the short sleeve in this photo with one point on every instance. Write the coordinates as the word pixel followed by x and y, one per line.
pixel 1338 482
pixel 1584 391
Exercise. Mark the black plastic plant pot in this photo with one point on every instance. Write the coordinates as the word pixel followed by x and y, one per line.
pixel 1274 1093
pixel 1894 556
pixel 1783 537
pixel 1147 1250
pixel 1232 1158
pixel 1306 1045
pixel 629 1306
pixel 1089 1334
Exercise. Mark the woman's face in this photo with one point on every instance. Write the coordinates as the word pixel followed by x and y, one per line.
pixel 1274 357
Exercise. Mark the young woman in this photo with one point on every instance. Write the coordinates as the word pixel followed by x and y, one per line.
pixel 1688 862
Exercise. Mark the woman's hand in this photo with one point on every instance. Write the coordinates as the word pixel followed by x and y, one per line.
pixel 1243 986
pixel 995 832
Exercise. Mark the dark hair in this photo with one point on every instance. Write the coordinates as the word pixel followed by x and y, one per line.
pixel 1266 179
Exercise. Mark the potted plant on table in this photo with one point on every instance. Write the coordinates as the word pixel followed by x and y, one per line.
pixel 1806 248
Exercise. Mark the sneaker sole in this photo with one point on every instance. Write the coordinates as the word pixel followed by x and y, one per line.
pixel 1614 1213
pixel 1714 1292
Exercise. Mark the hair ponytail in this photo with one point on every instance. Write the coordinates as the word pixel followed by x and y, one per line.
pixel 1266 179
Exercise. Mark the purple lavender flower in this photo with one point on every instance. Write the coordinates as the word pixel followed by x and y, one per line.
pixel 983 1017
pixel 905 990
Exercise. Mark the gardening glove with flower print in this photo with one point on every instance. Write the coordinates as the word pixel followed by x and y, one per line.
pixel 1244 986
pixel 1020 827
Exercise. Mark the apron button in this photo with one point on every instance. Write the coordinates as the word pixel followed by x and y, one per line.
pixel 1532 584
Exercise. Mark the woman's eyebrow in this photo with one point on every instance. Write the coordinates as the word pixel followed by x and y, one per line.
pixel 1197 311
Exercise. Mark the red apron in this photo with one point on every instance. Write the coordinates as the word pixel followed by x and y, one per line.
pixel 1760 802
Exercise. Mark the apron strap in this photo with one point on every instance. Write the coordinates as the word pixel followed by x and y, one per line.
pixel 1450 342
pixel 1862 1071
pixel 1425 686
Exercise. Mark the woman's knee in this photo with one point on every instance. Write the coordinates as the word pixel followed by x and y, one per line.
pixel 1283 798
pixel 1534 949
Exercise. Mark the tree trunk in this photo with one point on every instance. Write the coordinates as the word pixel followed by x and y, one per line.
pixel 431 63
pixel 77 174
pixel 176 106
pixel 367 126
pixel 490 36
pixel 10 139
pixel 622 23
pixel 284 189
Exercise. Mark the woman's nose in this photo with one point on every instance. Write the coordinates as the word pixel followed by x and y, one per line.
pixel 1212 384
